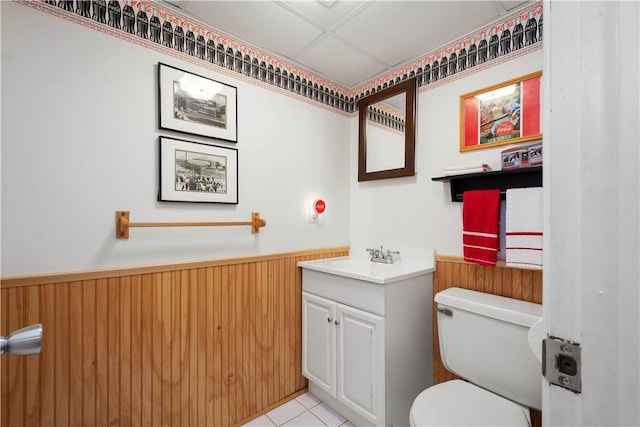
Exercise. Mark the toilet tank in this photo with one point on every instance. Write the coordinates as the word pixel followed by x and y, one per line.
pixel 484 339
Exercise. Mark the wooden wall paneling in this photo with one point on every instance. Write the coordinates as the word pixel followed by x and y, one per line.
pixel 279 344
pixel 203 328
pixel 156 350
pixel 240 379
pixel 210 360
pixel 217 358
pixel 275 335
pixel 276 319
pixel 4 361
pixel 262 353
pixel 15 401
pixel 89 360
pixel 267 335
pixel 197 346
pixel 111 322
pixel 126 351
pixel 228 345
pixel 103 346
pixel 295 311
pixel 254 367
pixel 290 348
pixel 60 351
pixel 135 365
pixel 32 363
pixel 516 284
pixel 113 354
pixel 166 325
pixel 147 351
pixel 175 344
pixel 188 294
pixel 75 336
pixel 245 308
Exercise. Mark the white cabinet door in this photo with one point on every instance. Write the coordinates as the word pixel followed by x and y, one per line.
pixel 361 362
pixel 319 341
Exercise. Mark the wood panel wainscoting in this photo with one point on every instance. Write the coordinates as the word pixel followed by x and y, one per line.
pixel 514 283
pixel 208 343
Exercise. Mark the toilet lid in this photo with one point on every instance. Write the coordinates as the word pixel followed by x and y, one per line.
pixel 459 403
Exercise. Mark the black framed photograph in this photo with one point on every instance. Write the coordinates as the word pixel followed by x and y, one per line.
pixel 197 172
pixel 197 105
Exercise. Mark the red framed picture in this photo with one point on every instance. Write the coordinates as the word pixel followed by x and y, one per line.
pixel 505 113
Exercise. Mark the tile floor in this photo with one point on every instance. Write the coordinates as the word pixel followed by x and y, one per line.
pixel 304 411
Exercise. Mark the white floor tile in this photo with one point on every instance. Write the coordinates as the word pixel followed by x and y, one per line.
pixel 347 424
pixel 286 412
pixel 306 419
pixel 328 415
pixel 262 421
pixel 308 400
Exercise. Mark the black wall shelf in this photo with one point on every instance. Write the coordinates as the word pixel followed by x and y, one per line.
pixel 502 180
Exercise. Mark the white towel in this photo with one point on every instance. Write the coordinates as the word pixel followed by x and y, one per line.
pixel 461 170
pixel 463 167
pixel 524 228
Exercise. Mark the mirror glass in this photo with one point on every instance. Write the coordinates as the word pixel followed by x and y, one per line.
pixel 386 133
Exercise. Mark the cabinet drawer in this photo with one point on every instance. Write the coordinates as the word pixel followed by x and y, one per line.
pixel 355 293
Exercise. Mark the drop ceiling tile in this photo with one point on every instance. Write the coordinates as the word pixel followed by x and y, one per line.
pixel 338 61
pixel 263 24
pixel 325 16
pixel 396 32
pixel 362 39
pixel 508 5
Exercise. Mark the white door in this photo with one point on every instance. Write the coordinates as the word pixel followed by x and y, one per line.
pixel 361 362
pixel 319 341
pixel 591 180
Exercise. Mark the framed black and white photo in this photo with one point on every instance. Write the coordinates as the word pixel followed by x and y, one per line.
pixel 197 105
pixel 197 172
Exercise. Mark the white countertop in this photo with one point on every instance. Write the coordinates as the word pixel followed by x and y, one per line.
pixel 364 269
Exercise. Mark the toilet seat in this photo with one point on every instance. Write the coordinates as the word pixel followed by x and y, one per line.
pixel 459 403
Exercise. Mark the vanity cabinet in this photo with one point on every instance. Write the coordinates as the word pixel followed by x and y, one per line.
pixel 366 346
pixel 343 349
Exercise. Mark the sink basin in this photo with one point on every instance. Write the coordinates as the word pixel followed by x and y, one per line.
pixel 354 263
pixel 360 264
pixel 363 269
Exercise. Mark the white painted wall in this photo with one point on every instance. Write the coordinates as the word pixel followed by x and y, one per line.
pixel 415 211
pixel 80 141
pixel 80 138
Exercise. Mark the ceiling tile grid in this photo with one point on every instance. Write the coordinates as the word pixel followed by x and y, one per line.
pixel 155 26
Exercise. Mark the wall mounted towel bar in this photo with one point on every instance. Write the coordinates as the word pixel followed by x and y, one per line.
pixel 123 225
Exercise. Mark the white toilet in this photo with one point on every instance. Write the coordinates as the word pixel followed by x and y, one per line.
pixel 484 339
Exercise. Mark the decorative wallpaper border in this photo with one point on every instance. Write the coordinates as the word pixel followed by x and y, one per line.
pixel 155 26
pixel 386 116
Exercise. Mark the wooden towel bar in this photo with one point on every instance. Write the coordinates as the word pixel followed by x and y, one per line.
pixel 123 225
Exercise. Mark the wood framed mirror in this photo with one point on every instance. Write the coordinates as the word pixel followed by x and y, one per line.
pixel 386 132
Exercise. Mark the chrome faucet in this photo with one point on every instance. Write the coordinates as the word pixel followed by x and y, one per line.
pixel 378 255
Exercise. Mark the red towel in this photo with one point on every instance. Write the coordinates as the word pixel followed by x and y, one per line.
pixel 480 216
